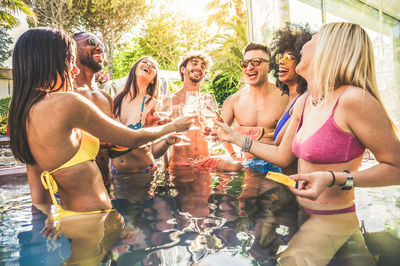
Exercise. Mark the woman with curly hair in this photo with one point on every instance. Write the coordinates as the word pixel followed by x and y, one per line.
pixel 286 46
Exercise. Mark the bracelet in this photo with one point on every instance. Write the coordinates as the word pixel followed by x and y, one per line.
pixel 233 153
pixel 246 145
pixel 166 142
pixel 333 179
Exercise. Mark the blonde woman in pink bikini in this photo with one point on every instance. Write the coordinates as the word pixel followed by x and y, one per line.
pixel 332 125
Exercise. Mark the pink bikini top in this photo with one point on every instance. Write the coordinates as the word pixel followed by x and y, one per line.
pixel 329 144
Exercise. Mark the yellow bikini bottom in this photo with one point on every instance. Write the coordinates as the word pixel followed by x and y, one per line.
pixel 50 184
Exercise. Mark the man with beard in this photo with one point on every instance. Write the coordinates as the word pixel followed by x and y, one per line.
pixel 90 56
pixel 193 68
pixel 258 105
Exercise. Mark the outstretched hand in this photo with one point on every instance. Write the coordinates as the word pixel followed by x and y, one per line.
pixel 183 123
pixel 311 185
pixel 223 132
pixel 153 120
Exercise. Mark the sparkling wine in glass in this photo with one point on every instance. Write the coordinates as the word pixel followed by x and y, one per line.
pixel 177 112
pixel 164 106
pixel 192 105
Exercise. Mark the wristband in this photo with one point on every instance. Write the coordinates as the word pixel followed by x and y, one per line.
pixel 233 153
pixel 333 179
pixel 246 145
pixel 166 142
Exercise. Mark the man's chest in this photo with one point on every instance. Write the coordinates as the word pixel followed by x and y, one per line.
pixel 257 113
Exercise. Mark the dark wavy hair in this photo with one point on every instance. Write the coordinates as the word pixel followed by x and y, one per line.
pixel 290 37
pixel 192 55
pixel 132 82
pixel 41 57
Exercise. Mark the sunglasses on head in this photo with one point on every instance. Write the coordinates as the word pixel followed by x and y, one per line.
pixel 285 57
pixel 254 62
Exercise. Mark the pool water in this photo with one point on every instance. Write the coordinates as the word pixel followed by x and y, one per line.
pixel 195 217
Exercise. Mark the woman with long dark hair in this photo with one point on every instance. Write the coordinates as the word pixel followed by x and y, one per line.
pixel 134 107
pixel 57 130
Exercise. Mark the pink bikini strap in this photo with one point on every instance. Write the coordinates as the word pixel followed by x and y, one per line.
pixel 340 95
pixel 302 113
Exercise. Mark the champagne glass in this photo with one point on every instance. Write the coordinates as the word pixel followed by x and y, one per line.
pixel 176 113
pixel 164 106
pixel 209 107
pixel 192 104
pixel 207 112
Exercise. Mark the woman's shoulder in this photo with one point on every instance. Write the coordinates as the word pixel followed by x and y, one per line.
pixel 352 97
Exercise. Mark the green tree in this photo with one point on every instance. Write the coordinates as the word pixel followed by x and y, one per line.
pixel 166 36
pixel 8 10
pixel 226 71
pixel 224 12
pixel 112 19
pixel 5 42
pixel 59 14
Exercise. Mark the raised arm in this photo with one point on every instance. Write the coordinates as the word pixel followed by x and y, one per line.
pixel 228 116
pixel 87 116
pixel 279 155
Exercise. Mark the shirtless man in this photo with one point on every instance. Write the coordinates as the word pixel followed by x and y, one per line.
pixel 258 104
pixel 193 68
pixel 90 55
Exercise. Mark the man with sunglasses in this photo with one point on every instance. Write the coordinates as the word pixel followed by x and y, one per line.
pixel 90 60
pixel 257 106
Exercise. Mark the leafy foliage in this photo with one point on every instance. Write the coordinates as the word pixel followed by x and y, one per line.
pixel 112 18
pixel 5 42
pixel 4 107
pixel 59 14
pixel 166 36
pixel 8 8
pixel 225 11
pixel 226 71
pixel 224 85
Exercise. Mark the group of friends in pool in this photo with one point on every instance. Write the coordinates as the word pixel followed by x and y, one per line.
pixel 319 118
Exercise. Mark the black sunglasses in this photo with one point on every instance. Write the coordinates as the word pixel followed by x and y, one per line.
pixel 254 62
pixel 94 41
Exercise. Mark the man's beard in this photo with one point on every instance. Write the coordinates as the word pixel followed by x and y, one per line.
pixel 195 80
pixel 90 63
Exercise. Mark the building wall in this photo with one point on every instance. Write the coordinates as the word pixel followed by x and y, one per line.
pixel 5 87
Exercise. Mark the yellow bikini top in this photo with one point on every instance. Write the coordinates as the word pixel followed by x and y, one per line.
pixel 87 152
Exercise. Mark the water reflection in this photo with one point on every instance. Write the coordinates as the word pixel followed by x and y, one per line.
pixel 193 214
pixel 196 217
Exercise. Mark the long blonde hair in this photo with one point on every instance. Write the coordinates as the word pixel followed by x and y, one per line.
pixel 344 56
